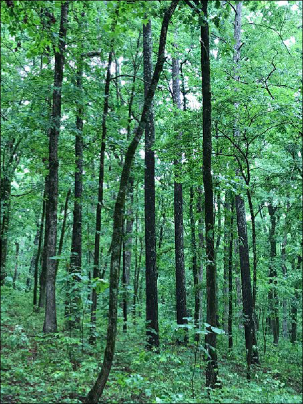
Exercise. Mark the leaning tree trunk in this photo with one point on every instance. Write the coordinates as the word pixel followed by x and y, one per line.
pixel 211 288
pixel 151 276
pixel 50 321
pixel 97 390
pixel 178 212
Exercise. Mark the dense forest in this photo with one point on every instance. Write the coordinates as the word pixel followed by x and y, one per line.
pixel 151 211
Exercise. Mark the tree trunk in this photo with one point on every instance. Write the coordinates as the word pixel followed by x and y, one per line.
pixel 295 303
pixel 36 271
pixel 33 260
pixel 249 326
pixel 60 247
pixel 230 280
pixel 50 321
pixel 227 234
pixel 272 294
pixel 151 276
pixel 6 202
pixel 42 277
pixel 200 255
pixel 254 246
pixel 16 265
pixel 178 213
pixel 96 271
pixel 252 357
pixel 211 288
pixel 76 248
pixel 97 390
pixel 194 261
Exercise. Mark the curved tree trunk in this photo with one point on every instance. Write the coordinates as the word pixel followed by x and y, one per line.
pixel 97 390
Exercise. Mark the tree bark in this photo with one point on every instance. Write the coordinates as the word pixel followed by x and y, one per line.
pixel 272 293
pixel 178 213
pixel 230 280
pixel 50 321
pixel 96 271
pixel 36 270
pixel 151 276
pixel 42 277
pixel 60 247
pixel 254 246
pixel 16 265
pixel 97 390
pixel 211 287
pixel 249 326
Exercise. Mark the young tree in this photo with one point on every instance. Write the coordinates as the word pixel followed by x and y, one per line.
pixel 50 321
pixel 97 390
pixel 151 276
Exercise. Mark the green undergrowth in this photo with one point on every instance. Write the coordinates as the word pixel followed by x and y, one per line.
pixel 38 368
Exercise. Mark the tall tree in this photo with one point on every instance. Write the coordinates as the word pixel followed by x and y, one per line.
pixel 50 321
pixel 211 282
pixel 178 210
pixel 151 276
pixel 97 390
pixel 249 326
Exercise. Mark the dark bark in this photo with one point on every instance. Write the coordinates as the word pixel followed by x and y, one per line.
pixel 200 251
pixel 16 264
pixel 97 390
pixel 272 293
pixel 76 247
pixel 230 280
pixel 151 276
pixel 33 260
pixel 5 202
pixel 178 213
pixel 254 246
pixel 61 241
pixel 36 270
pixel 295 303
pixel 250 338
pixel 194 261
pixel 42 277
pixel 227 235
pixel 249 326
pixel 96 271
pixel 211 287
pixel 50 321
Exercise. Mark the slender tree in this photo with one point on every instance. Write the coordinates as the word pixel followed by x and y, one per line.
pixel 211 282
pixel 97 390
pixel 151 276
pixel 178 211
pixel 50 321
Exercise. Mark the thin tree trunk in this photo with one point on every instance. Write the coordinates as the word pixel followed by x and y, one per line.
pixel 201 250
pixel 36 271
pixel 33 260
pixel 96 270
pixel 249 326
pixel 227 234
pixel 230 280
pixel 76 247
pixel 272 294
pixel 6 202
pixel 16 265
pixel 211 281
pixel 97 390
pixel 61 241
pixel 42 277
pixel 178 213
pixel 50 321
pixel 194 261
pixel 254 246
pixel 151 276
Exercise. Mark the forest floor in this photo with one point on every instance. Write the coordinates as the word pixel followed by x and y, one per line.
pixel 38 368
